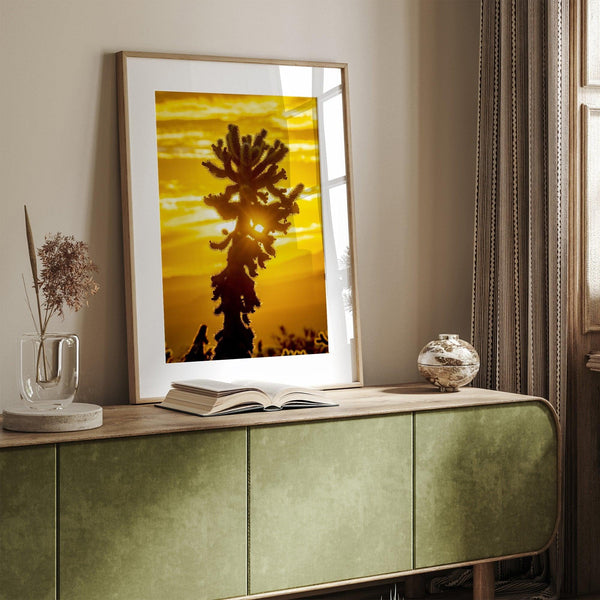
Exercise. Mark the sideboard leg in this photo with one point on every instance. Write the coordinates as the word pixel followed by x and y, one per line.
pixel 414 587
pixel 483 581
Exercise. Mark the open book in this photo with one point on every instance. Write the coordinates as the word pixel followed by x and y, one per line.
pixel 208 397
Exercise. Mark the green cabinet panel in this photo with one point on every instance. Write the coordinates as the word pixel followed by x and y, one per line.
pixel 485 482
pixel 27 523
pixel 154 517
pixel 330 501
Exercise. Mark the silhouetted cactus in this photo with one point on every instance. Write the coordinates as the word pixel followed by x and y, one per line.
pixel 260 211
pixel 196 351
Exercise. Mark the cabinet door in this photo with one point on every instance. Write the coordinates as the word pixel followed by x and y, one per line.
pixel 329 501
pixel 154 517
pixel 485 482
pixel 27 523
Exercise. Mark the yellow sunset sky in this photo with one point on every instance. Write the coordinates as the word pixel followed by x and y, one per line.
pixel 292 287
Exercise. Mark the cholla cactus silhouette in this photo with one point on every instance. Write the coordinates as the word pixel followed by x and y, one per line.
pixel 261 210
pixel 197 351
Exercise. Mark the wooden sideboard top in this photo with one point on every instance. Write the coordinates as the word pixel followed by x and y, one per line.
pixel 148 419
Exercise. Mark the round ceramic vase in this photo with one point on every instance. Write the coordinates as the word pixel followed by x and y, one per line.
pixel 448 362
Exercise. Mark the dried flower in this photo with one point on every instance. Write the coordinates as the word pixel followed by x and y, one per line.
pixel 66 277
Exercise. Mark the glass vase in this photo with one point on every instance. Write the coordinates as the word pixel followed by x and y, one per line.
pixel 48 369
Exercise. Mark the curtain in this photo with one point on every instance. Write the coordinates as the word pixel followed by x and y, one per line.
pixel 519 267
pixel 519 304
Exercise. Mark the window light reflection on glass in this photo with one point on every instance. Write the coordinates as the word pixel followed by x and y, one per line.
pixel 325 85
pixel 333 126
pixel 296 81
pixel 339 220
pixel 331 79
pixel 341 238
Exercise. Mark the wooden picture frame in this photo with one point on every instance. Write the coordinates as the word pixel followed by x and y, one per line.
pixel 237 213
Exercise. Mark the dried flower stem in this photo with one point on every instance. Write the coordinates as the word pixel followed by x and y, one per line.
pixel 34 272
pixel 28 302
pixel 41 353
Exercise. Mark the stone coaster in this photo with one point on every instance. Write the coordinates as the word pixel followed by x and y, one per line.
pixel 75 417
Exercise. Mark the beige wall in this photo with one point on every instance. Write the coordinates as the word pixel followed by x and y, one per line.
pixel 413 101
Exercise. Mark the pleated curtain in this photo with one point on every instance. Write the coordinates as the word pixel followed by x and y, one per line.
pixel 520 243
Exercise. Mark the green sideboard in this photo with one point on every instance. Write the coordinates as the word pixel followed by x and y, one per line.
pixel 27 523
pixel 329 501
pixel 157 504
pixel 153 517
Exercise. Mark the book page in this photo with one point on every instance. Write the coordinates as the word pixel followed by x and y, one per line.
pixel 245 398
pixel 210 386
pixel 276 391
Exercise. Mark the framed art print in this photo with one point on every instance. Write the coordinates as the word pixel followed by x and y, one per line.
pixel 237 222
